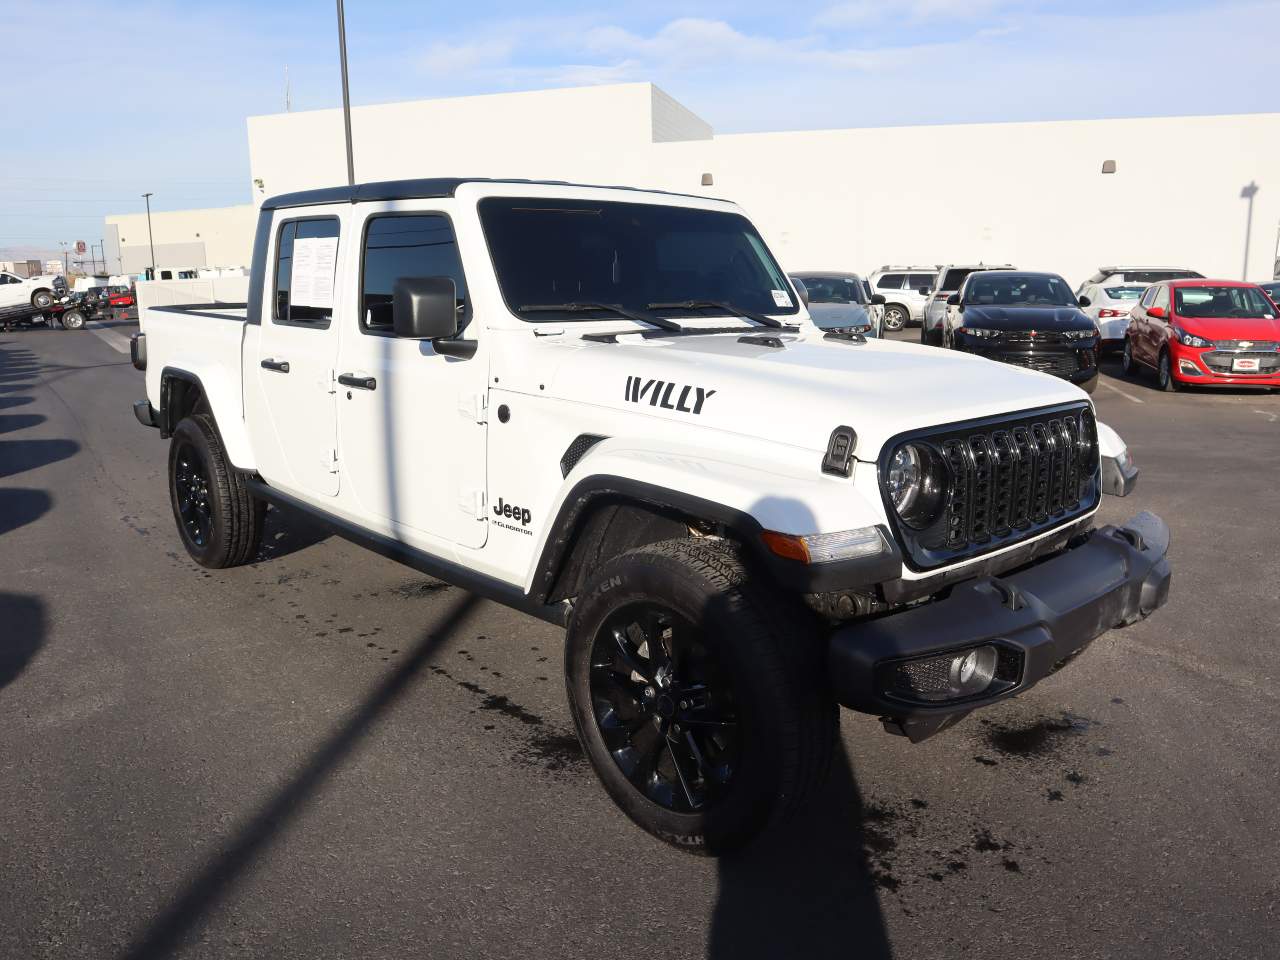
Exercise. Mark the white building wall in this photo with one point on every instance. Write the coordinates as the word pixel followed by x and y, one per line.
pixel 213 237
pixel 1027 193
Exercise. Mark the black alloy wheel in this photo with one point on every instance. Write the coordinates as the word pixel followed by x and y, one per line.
pixel 191 492
pixel 664 707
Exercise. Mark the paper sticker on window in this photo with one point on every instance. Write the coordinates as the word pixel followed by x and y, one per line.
pixel 314 259
pixel 781 298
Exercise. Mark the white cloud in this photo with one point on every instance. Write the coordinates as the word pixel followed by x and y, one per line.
pixel 863 12
pixel 445 59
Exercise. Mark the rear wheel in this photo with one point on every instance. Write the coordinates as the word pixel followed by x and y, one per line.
pixel 219 522
pixel 42 299
pixel 696 696
pixel 895 317
pixel 1164 374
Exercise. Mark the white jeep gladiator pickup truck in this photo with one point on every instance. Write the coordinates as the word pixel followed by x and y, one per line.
pixel 608 408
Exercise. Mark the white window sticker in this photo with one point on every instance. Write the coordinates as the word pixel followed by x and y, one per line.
pixel 314 259
pixel 781 298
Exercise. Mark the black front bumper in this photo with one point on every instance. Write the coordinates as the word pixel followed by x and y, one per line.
pixel 1074 363
pixel 1040 617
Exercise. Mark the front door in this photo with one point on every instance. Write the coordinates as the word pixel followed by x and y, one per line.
pixel 296 353
pixel 411 423
pixel 13 292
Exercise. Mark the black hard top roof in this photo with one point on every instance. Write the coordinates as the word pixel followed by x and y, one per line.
pixel 424 189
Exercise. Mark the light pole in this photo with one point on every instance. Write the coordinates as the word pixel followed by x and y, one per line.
pixel 1248 192
pixel 150 239
pixel 346 97
pixel 66 267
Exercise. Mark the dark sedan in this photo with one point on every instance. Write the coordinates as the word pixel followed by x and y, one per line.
pixel 1028 319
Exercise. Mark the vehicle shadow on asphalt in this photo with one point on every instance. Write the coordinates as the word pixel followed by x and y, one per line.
pixel 226 867
pixel 804 889
pixel 24 622
pixel 286 531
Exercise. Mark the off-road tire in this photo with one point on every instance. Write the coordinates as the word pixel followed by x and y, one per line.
pixel 895 317
pixel 789 723
pixel 73 320
pixel 236 515
pixel 42 299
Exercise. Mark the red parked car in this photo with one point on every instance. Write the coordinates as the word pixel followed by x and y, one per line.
pixel 121 298
pixel 1222 332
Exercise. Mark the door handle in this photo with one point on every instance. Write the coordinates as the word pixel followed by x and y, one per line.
pixel 360 383
pixel 279 365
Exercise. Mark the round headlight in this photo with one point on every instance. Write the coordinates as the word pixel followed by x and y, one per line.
pixel 917 484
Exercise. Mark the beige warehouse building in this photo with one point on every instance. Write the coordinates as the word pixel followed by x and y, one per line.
pixel 1200 192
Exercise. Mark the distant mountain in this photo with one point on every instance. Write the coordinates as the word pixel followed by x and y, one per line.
pixel 29 252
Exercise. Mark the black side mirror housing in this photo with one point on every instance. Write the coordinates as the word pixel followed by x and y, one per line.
pixel 923 291
pixel 877 298
pixel 954 300
pixel 424 308
pixel 1084 301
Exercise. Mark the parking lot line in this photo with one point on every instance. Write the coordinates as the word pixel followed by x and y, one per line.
pixel 115 340
pixel 1271 417
pixel 1126 395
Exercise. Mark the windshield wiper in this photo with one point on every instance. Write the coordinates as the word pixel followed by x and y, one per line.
pixel 578 306
pixel 759 318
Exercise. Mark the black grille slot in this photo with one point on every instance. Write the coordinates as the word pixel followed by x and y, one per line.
pixel 577 450
pixel 1009 480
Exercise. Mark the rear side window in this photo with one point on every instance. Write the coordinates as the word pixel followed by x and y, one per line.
pixel 918 280
pixel 953 278
pixel 306 257
pixel 412 245
pixel 890 281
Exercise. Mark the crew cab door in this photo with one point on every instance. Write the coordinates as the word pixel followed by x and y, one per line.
pixel 296 349
pixel 411 422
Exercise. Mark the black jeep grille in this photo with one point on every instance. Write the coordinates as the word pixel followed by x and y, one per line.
pixel 1009 479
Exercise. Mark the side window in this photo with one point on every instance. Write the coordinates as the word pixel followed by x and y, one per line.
pixel 890 281
pixel 306 257
pixel 917 280
pixel 1162 298
pixel 5 278
pixel 406 245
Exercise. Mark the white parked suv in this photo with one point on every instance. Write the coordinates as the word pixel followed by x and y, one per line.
pixel 39 292
pixel 1113 292
pixel 906 291
pixel 605 407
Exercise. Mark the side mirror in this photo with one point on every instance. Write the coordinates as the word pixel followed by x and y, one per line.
pixel 953 300
pixel 877 299
pixel 424 308
pixel 1084 301
pixel 924 291
pixel 1157 312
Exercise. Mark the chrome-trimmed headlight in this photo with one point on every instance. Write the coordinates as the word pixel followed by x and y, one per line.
pixel 916 481
pixel 1082 334
pixel 982 333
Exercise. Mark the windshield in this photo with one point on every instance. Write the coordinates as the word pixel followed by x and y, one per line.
pixel 834 289
pixel 632 255
pixel 1123 293
pixel 1220 302
pixel 1019 290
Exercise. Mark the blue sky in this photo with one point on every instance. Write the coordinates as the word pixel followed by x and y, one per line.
pixel 161 103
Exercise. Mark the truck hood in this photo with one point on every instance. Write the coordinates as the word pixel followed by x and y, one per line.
pixel 796 393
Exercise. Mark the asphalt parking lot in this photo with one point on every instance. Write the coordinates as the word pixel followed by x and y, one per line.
pixel 324 754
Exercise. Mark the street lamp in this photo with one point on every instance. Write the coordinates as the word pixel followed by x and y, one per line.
pixel 150 238
pixel 66 267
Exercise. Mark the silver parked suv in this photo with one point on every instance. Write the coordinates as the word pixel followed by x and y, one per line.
pixel 901 287
pixel 948 282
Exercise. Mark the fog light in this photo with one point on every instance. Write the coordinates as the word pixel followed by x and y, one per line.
pixel 1189 367
pixel 953 676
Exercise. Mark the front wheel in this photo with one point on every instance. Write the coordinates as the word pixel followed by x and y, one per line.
pixel 42 299
pixel 895 317
pixel 219 521
pixel 696 696
pixel 73 320
pixel 1164 374
pixel 1126 359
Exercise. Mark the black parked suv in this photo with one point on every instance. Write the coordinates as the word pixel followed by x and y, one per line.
pixel 1029 319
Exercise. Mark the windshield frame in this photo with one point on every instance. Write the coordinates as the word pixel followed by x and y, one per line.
pixel 756 240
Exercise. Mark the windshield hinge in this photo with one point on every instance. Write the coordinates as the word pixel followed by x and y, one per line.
pixel 471 501
pixel 332 465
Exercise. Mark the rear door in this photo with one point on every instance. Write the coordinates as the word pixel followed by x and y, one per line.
pixel 297 349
